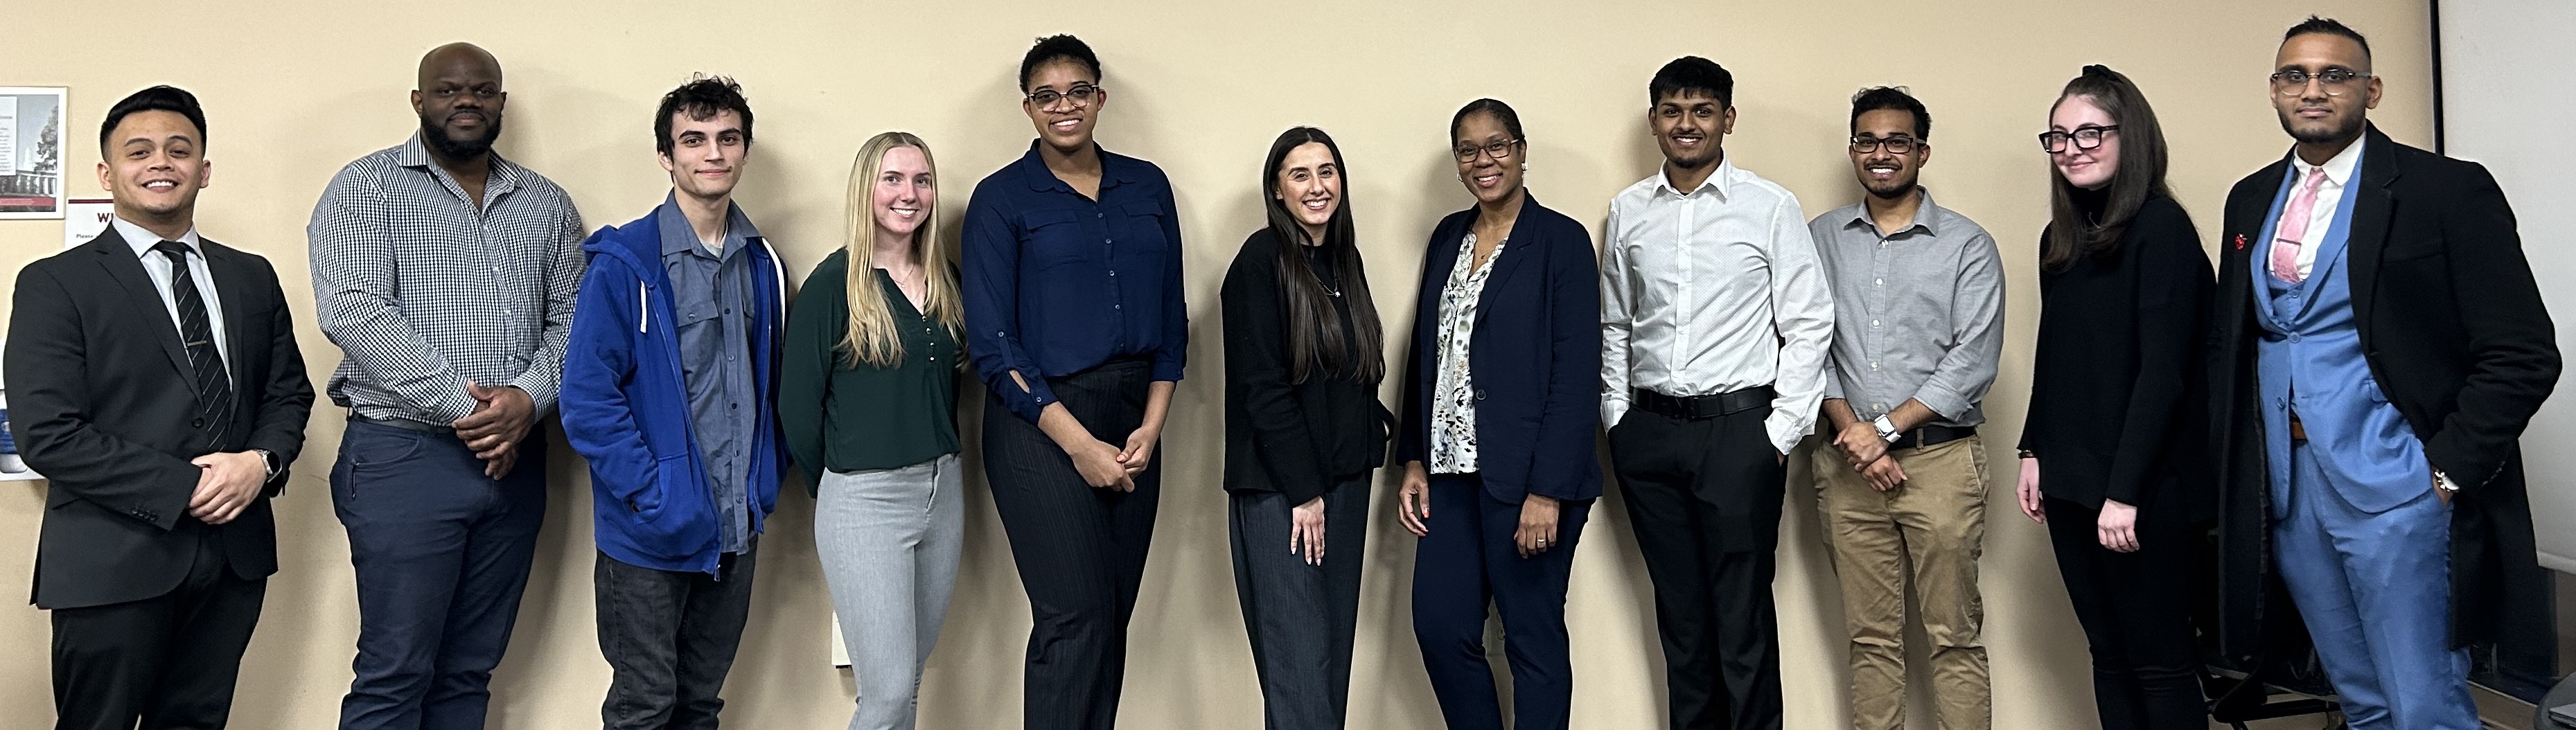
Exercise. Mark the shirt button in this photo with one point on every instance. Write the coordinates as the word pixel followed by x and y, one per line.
pixel 1873 323
pixel 1873 366
pixel 1878 282
pixel 1114 306
pixel 1113 273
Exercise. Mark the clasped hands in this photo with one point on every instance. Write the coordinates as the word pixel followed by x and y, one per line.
pixel 501 418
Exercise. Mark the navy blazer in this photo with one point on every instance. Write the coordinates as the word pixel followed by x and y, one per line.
pixel 1536 350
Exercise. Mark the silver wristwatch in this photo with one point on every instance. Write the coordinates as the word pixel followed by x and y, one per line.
pixel 1887 429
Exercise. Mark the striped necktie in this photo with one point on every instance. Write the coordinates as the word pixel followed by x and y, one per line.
pixel 213 385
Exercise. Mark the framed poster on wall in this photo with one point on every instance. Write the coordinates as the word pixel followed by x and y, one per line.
pixel 31 151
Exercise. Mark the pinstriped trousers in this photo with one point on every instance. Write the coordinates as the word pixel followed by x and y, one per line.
pixel 1080 550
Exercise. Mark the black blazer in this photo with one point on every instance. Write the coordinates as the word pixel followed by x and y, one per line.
pixel 1536 353
pixel 101 402
pixel 2455 332
pixel 1297 439
pixel 2116 403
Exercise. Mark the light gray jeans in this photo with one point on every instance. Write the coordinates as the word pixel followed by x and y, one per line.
pixel 889 540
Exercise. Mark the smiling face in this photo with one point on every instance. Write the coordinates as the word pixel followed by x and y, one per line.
pixel 459 100
pixel 2088 169
pixel 153 165
pixel 1690 127
pixel 904 193
pixel 1884 173
pixel 2309 112
pixel 1310 186
pixel 1066 122
pixel 707 155
pixel 1490 180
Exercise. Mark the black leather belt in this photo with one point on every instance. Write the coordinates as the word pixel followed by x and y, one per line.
pixel 404 424
pixel 1701 407
pixel 1931 436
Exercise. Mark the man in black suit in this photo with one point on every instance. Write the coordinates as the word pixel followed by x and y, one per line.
pixel 155 381
pixel 2380 345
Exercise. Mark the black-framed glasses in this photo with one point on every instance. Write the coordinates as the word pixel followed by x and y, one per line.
pixel 1500 150
pixel 2085 138
pixel 1898 145
pixel 2337 81
pixel 1081 94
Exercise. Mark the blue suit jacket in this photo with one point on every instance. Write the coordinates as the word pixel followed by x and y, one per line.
pixel 1536 355
pixel 2311 362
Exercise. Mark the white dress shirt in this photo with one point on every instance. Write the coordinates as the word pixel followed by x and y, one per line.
pixel 2329 198
pixel 1711 291
pixel 158 266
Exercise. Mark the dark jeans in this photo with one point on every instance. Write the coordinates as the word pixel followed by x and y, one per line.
pixel 1080 549
pixel 170 661
pixel 1468 561
pixel 1705 497
pixel 442 554
pixel 2136 613
pixel 670 638
pixel 1301 618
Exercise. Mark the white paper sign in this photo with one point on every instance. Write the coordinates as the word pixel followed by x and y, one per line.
pixel 85 218
pixel 8 136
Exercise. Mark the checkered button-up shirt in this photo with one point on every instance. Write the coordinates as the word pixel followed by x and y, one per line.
pixel 423 292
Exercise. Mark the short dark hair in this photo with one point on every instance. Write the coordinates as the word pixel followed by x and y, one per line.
pixel 2315 25
pixel 1502 112
pixel 163 98
pixel 1891 97
pixel 1692 73
pixel 1058 47
pixel 702 98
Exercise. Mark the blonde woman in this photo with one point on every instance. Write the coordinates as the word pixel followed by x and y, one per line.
pixel 868 400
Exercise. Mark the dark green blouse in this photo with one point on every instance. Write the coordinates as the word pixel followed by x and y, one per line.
pixel 855 419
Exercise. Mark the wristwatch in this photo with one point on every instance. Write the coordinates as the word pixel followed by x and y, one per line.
pixel 268 460
pixel 1887 429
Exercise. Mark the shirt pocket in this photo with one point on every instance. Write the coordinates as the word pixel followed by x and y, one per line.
pixel 697 327
pixel 1051 238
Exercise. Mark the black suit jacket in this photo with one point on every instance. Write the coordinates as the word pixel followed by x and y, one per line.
pixel 1536 352
pixel 2454 330
pixel 101 403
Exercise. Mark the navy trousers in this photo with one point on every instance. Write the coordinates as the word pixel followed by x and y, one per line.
pixel 442 554
pixel 1468 560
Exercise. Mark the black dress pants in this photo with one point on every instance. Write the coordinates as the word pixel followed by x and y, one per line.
pixel 1301 618
pixel 1080 549
pixel 168 661
pixel 1705 497
pixel 2136 612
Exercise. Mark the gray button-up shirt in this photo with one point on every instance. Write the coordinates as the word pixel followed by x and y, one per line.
pixel 424 293
pixel 1918 314
pixel 712 294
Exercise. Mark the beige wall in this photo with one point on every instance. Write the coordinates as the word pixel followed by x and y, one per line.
pixel 296 89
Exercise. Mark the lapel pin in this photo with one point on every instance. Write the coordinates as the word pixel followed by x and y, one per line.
pixel 2240 242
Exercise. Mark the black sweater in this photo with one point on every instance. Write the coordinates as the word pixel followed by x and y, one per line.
pixel 1295 439
pixel 2116 403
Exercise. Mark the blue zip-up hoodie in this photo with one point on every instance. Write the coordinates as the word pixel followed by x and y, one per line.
pixel 626 408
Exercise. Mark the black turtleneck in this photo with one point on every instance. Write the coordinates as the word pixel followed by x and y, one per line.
pixel 2116 377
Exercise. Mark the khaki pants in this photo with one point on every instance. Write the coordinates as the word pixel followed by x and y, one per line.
pixel 1932 527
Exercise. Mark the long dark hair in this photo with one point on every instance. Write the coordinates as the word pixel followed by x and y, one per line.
pixel 1314 336
pixel 2140 174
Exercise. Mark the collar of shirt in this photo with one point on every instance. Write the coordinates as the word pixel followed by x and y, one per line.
pixel 679 237
pixel 1114 168
pixel 2338 168
pixel 504 178
pixel 1923 217
pixel 143 240
pixel 1720 181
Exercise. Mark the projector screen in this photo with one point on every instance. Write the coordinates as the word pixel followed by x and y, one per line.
pixel 2505 100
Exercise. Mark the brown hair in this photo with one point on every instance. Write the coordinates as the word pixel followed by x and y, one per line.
pixel 2140 174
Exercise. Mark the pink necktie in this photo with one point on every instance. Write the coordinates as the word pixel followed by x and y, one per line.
pixel 2294 227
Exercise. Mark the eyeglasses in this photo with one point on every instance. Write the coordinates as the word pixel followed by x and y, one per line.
pixel 1081 94
pixel 2337 81
pixel 1500 150
pixel 2085 138
pixel 1894 145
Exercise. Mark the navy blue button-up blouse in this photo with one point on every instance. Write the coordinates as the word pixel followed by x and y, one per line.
pixel 1057 283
